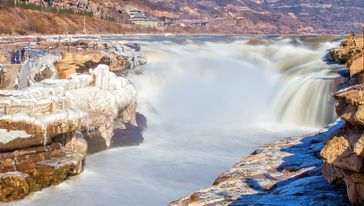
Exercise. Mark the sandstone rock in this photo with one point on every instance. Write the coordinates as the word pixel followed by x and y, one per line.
pixel 118 57
pixel 71 62
pixel 32 169
pixel 345 150
pixel 356 64
pixel 13 186
pixel 350 105
pixel 345 55
pixel 343 155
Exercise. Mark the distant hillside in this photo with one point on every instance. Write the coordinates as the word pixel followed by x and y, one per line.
pixel 226 16
pixel 223 16
pixel 330 16
pixel 19 21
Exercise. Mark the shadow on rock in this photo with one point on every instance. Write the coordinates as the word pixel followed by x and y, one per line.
pixel 298 179
pixel 124 135
pixel 286 172
pixel 132 135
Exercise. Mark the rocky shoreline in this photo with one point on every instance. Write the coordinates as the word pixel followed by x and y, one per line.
pixel 55 111
pixel 286 172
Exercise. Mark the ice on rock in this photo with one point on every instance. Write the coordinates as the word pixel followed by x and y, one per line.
pixel 52 107
pixel 10 135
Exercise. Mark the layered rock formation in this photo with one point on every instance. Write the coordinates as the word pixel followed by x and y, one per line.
pixel 43 128
pixel 287 172
pixel 119 57
pixel 344 154
pixel 350 55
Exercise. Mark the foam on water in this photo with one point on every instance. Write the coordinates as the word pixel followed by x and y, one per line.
pixel 208 103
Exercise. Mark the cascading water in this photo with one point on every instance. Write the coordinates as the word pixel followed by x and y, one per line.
pixel 208 101
pixel 307 100
pixel 305 97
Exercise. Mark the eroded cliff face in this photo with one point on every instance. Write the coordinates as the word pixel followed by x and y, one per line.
pixel 44 128
pixel 344 154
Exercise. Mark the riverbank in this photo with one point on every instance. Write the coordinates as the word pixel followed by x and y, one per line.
pixel 286 172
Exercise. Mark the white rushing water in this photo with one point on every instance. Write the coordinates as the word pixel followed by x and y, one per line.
pixel 208 102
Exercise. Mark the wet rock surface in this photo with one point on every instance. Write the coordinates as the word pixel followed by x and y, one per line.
pixel 286 172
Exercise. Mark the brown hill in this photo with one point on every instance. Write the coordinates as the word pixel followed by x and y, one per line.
pixel 19 21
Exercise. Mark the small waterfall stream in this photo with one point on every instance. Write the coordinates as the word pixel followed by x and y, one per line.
pixel 307 101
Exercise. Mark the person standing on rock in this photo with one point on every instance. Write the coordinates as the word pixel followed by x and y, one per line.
pixel 17 57
pixel 22 53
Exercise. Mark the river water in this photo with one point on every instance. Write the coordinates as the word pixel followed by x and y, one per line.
pixel 208 102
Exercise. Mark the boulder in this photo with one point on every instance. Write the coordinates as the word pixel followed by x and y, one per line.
pixel 13 186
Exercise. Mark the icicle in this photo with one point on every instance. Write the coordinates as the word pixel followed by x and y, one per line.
pixel 87 125
pixel 45 135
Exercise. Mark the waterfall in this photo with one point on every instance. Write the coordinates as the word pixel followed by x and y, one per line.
pixel 306 100
pixel 307 85
pixel 208 101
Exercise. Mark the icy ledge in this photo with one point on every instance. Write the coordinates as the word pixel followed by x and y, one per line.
pixel 286 172
pixel 38 110
pixel 44 128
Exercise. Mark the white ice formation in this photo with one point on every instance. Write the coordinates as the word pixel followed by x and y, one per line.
pixel 53 106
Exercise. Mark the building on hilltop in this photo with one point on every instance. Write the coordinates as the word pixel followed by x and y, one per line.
pixel 194 22
pixel 137 17
pixel 134 11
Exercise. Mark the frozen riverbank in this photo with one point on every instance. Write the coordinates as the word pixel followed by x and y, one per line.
pixel 208 102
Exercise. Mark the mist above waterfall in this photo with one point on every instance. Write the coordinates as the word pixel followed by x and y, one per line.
pixel 208 101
